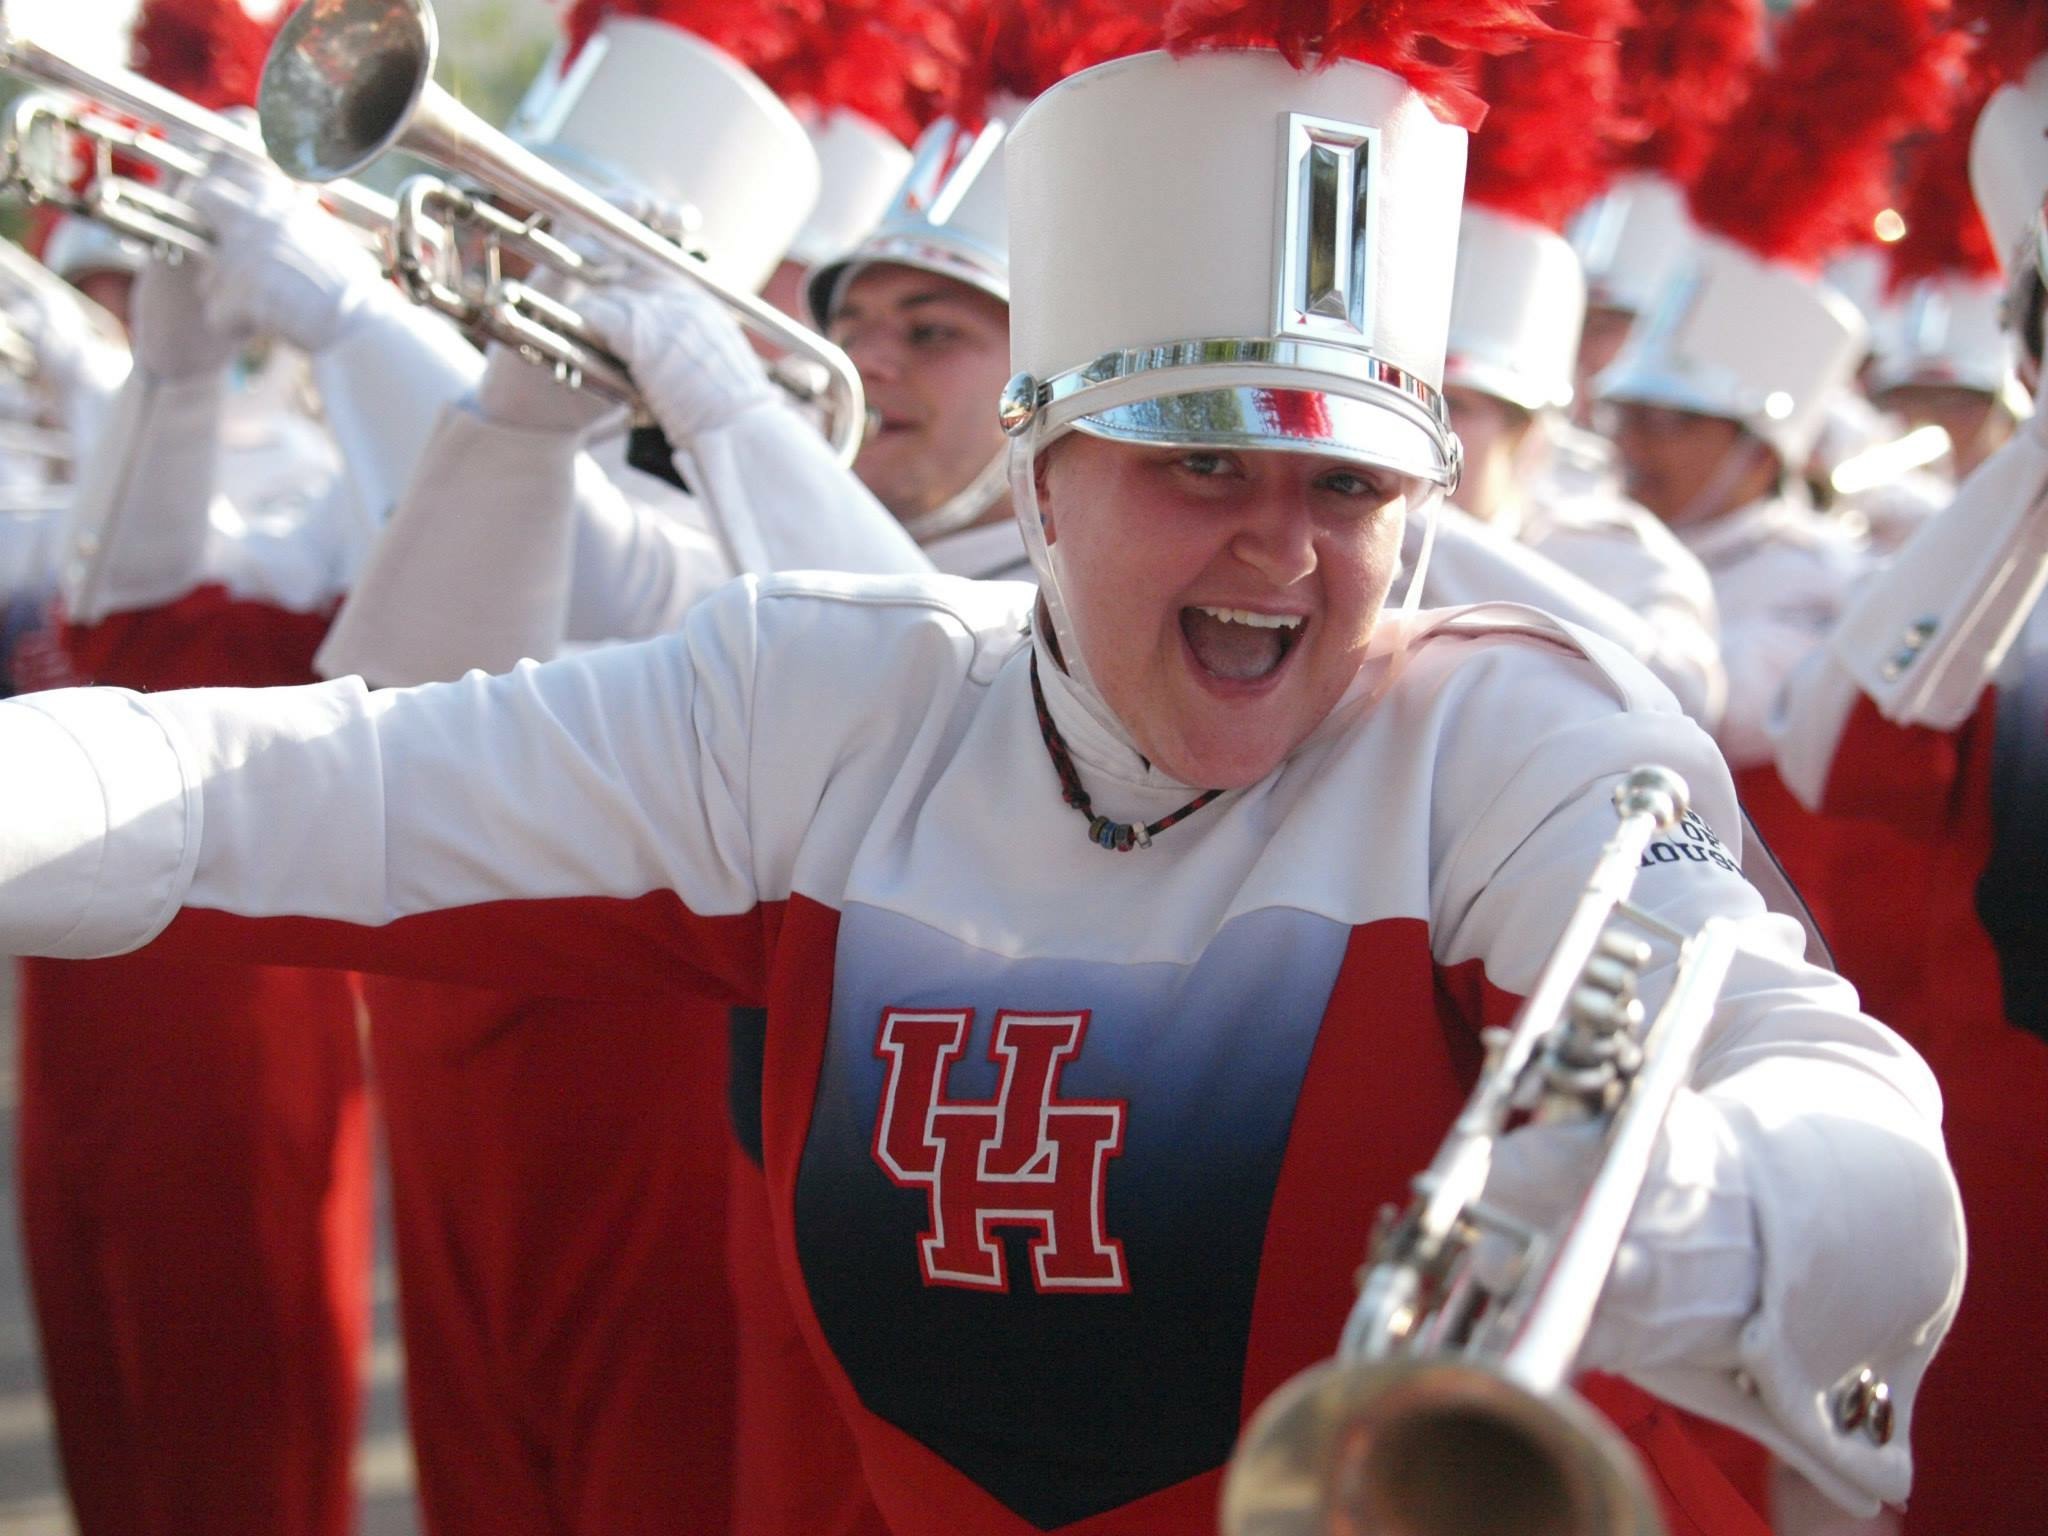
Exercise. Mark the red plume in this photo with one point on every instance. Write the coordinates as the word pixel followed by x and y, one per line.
pixel 2010 35
pixel 1550 109
pixel 1429 43
pixel 1685 66
pixel 208 51
pixel 1023 48
pixel 758 34
pixel 1806 162
pixel 1944 231
pixel 898 63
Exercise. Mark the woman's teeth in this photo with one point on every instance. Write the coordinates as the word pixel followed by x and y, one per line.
pixel 1237 644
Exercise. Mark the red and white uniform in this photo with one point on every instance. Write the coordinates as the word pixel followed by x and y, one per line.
pixel 1918 730
pixel 830 796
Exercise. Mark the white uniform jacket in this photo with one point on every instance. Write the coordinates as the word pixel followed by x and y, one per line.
pixel 1782 575
pixel 829 796
pixel 1475 562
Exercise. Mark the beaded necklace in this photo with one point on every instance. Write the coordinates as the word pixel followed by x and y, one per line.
pixel 1116 836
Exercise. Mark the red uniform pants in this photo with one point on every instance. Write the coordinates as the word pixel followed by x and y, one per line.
pixel 195 1200
pixel 558 1191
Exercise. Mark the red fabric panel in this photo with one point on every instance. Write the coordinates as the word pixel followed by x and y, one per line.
pixel 206 639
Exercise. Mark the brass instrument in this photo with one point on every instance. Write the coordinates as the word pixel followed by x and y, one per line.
pixel 47 130
pixel 348 79
pixel 1447 1410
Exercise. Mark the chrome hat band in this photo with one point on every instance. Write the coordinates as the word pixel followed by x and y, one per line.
pixel 1131 395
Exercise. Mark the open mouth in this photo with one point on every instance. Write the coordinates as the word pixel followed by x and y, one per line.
pixel 1237 645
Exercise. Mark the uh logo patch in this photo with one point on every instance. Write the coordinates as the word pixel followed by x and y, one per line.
pixel 1026 1158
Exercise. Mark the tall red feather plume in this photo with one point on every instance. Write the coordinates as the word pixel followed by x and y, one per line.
pixel 1685 67
pixel 2010 35
pixel 757 33
pixel 1806 162
pixel 1542 152
pixel 208 51
pixel 1944 231
pixel 1429 43
pixel 1023 48
pixel 898 63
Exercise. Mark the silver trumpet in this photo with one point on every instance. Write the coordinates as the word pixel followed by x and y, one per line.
pixel 348 79
pixel 1447 1410
pixel 50 132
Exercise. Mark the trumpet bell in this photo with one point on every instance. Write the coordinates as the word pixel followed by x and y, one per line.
pixel 1430 1448
pixel 343 79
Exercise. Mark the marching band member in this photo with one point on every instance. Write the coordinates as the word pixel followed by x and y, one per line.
pixel 1922 717
pixel 980 849
pixel 1718 397
pixel 195 1146
pixel 1515 323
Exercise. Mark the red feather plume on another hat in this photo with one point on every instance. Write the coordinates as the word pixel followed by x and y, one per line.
pixel 1429 43
pixel 1685 67
pixel 1945 233
pixel 208 51
pixel 897 63
pixel 2010 35
pixel 1023 48
pixel 1542 152
pixel 1806 162
pixel 758 34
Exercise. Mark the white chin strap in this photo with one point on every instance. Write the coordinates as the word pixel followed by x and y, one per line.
pixel 1390 639
pixel 965 506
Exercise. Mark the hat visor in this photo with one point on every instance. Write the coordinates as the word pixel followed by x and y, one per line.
pixel 1261 419
pixel 972 265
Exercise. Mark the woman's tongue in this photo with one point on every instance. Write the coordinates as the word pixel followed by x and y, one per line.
pixel 1238 652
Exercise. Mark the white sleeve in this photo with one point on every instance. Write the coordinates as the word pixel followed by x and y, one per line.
pixel 641 556
pixel 621 776
pixel 472 571
pixel 382 388
pixel 1837 1118
pixel 1794 604
pixel 139 530
pixel 783 502
pixel 1924 636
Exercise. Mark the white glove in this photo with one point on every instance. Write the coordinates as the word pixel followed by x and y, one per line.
pixel 1689 1271
pixel 688 356
pixel 172 333
pixel 281 266
pixel 57 328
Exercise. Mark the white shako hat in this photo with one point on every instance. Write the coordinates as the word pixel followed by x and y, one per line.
pixel 1518 302
pixel 78 247
pixel 861 165
pixel 1631 240
pixel 648 109
pixel 2009 163
pixel 1263 262
pixel 1945 330
pixel 950 215
pixel 1745 339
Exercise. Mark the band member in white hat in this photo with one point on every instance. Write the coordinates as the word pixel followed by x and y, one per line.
pixel 1515 312
pixel 1923 715
pixel 1063 865
pixel 1719 395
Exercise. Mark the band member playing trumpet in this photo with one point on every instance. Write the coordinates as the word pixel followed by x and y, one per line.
pixel 1087 1060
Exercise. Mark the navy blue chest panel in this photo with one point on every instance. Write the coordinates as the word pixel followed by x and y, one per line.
pixel 1033 1197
